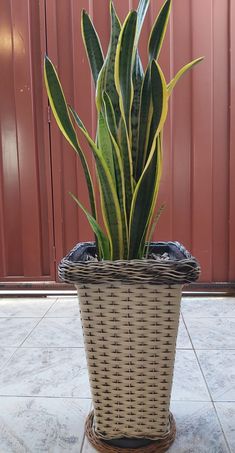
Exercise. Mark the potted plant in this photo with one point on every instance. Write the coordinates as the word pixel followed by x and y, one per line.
pixel 129 288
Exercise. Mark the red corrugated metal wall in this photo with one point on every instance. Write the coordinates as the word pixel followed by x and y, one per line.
pixel 198 183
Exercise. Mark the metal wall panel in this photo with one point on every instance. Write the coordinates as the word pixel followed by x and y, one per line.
pixel 199 166
pixel 26 231
pixel 196 184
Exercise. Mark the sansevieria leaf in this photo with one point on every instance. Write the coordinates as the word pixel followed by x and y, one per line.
pixel 124 62
pixel 61 113
pixel 142 203
pixel 144 123
pixel 109 200
pixel 180 74
pixel 92 45
pixel 106 81
pixel 141 13
pixel 158 31
pixel 102 238
pixel 119 170
pixel 132 105
pixel 105 144
pixel 137 79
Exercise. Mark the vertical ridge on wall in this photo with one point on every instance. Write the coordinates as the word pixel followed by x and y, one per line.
pixel 202 35
pixel 220 249
pixel 24 180
pixel 231 257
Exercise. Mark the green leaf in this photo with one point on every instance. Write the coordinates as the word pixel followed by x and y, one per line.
pixel 126 155
pixel 137 79
pixel 106 80
pixel 105 144
pixel 109 200
pixel 101 237
pixel 124 62
pixel 158 31
pixel 119 171
pixel 92 45
pixel 153 227
pixel 142 203
pixel 146 190
pixel 141 13
pixel 61 113
pixel 110 116
pixel 157 94
pixel 180 74
pixel 144 122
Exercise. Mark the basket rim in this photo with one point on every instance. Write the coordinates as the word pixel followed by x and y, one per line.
pixel 184 268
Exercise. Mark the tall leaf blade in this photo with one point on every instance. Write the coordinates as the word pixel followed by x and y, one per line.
pixel 142 202
pixel 157 104
pixel 147 186
pixel 158 31
pixel 92 45
pixel 101 237
pixel 105 144
pixel 158 174
pixel 119 170
pixel 61 113
pixel 124 63
pixel 144 122
pixel 181 73
pixel 109 200
pixel 137 79
pixel 109 79
pixel 141 13
pixel 126 155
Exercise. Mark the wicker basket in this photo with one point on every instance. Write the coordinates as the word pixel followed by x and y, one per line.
pixel 130 314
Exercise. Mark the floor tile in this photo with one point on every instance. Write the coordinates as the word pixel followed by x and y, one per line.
pixel 212 333
pixel 56 332
pixel 198 429
pixel 25 307
pixel 46 372
pixel 65 307
pixel 42 425
pixel 208 306
pixel 87 448
pixel 5 355
pixel 13 331
pixel 183 340
pixel 219 371
pixel 226 414
pixel 188 383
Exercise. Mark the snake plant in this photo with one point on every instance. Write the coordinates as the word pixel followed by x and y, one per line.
pixel 132 105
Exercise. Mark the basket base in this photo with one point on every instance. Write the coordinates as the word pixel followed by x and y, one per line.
pixel 155 446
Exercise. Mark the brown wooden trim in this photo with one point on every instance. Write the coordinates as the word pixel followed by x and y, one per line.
pixel 201 289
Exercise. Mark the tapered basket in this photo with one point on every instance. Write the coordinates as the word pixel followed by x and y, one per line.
pixel 130 315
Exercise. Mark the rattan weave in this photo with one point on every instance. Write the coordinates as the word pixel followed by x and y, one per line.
pixel 73 269
pixel 159 446
pixel 130 336
pixel 130 314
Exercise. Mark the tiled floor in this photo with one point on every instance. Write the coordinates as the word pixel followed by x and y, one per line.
pixel 44 393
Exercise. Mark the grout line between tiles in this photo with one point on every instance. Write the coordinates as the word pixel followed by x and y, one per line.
pixel 38 323
pixel 221 426
pixel 207 386
pixel 47 397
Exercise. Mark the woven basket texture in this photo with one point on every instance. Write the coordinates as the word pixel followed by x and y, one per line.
pixel 157 446
pixel 130 314
pixel 130 337
pixel 180 268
